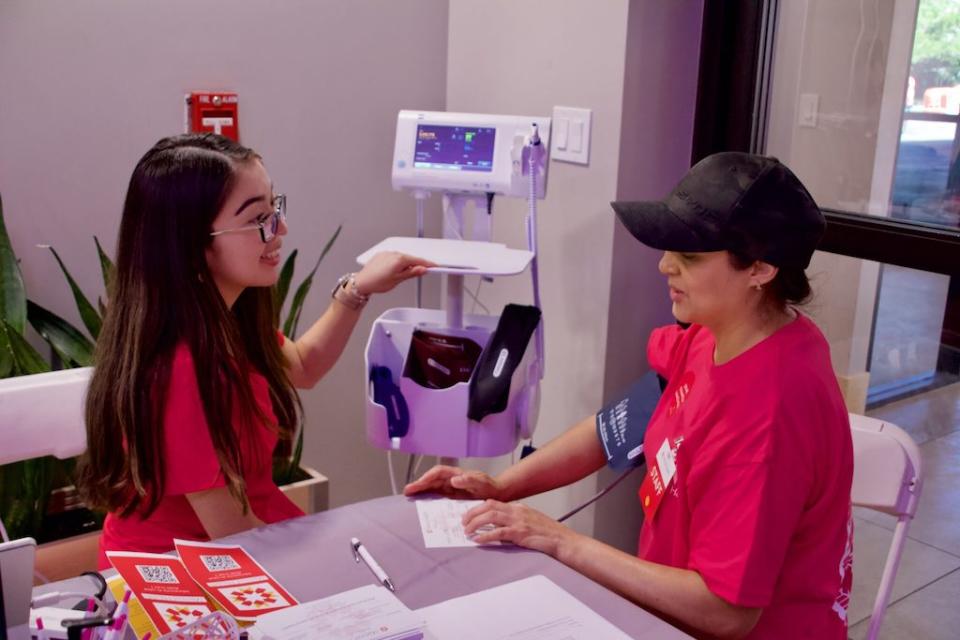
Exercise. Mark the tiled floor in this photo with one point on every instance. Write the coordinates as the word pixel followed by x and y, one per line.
pixel 926 596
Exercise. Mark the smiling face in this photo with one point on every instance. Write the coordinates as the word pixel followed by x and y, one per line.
pixel 241 259
pixel 705 288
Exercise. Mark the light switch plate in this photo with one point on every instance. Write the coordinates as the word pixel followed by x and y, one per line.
pixel 808 109
pixel 576 138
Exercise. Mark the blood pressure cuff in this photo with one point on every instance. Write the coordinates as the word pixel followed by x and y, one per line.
pixel 490 387
pixel 622 424
pixel 439 361
pixel 387 394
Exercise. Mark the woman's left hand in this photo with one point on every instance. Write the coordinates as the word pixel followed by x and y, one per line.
pixel 519 524
pixel 387 269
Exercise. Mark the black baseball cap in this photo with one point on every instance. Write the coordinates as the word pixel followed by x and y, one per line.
pixel 748 204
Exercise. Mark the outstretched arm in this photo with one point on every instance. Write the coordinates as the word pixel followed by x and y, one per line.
pixel 313 354
pixel 680 594
pixel 573 455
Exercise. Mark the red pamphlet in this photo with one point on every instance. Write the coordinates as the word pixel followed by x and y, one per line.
pixel 233 579
pixel 164 588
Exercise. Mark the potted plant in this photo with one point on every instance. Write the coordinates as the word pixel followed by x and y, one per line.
pixel 37 498
pixel 305 486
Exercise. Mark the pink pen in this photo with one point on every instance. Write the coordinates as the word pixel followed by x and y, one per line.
pixel 91 605
pixel 119 616
pixel 41 634
pixel 147 637
pixel 119 627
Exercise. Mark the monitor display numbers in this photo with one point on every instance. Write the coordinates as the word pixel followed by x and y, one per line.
pixel 454 148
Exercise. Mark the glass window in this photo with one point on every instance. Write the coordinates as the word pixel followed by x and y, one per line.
pixel 926 185
pixel 864 107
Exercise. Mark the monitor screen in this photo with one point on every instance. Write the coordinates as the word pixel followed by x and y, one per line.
pixel 454 148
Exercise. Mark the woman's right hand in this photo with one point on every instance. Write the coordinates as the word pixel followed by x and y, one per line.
pixel 454 482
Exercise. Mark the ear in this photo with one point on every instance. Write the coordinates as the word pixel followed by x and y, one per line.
pixel 762 273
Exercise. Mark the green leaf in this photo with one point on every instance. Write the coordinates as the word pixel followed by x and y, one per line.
pixel 6 356
pixel 71 345
pixel 106 267
pixel 293 317
pixel 89 315
pixel 326 248
pixel 283 286
pixel 13 296
pixel 26 359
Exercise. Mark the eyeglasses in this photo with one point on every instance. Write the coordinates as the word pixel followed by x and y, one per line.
pixel 269 227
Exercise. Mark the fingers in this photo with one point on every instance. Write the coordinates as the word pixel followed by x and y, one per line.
pixel 475 482
pixel 499 534
pixel 411 266
pixel 481 509
pixel 435 479
pixel 388 269
pixel 409 261
pixel 490 513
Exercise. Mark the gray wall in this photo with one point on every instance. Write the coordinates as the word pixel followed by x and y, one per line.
pixel 634 63
pixel 660 90
pixel 86 88
pixel 576 59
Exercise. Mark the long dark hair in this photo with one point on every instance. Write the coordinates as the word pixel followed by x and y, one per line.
pixel 163 295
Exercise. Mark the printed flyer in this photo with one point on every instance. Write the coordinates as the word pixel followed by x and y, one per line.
pixel 233 579
pixel 166 591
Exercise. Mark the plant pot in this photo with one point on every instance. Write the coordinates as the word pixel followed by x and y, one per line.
pixel 311 494
pixel 72 556
pixel 69 557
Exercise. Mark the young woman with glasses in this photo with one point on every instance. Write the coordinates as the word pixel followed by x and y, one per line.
pixel 194 386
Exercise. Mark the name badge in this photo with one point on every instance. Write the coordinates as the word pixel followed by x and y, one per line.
pixel 658 479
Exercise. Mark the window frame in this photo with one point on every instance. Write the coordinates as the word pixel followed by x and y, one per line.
pixel 732 113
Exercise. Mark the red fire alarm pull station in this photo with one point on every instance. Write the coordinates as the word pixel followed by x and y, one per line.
pixel 213 112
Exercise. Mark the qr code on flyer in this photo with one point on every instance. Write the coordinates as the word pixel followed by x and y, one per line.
pixel 158 574
pixel 219 563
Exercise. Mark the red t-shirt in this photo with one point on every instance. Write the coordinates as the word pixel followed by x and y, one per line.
pixel 191 465
pixel 760 503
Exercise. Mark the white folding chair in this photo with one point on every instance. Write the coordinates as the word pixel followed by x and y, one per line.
pixel 42 415
pixel 887 477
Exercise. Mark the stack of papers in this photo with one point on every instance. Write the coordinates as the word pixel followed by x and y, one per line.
pixel 171 592
pixel 367 613
pixel 530 609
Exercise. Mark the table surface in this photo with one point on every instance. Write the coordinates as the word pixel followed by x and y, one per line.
pixel 311 556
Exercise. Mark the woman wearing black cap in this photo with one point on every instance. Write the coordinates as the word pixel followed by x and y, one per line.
pixel 747 529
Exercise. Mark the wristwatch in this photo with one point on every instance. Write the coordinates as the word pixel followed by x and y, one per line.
pixel 347 293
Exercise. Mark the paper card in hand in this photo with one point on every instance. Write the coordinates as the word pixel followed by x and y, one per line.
pixel 622 424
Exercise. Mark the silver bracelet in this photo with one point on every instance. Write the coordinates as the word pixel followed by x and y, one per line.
pixel 348 294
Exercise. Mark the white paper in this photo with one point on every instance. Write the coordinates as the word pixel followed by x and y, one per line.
pixel 530 609
pixel 367 613
pixel 441 522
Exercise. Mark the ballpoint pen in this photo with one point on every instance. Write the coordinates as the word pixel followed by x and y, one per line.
pixel 360 551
